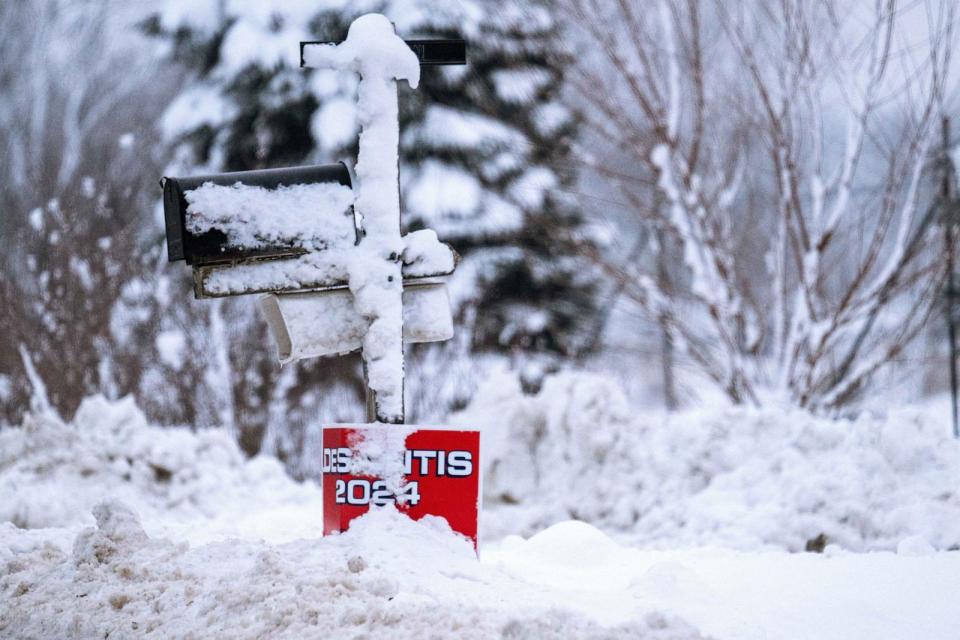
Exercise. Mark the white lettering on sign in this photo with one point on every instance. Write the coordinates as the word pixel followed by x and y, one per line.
pixel 456 464
pixel 336 460
pixel 361 491
pixel 423 462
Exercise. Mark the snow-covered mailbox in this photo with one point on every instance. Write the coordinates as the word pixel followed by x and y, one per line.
pixel 288 233
pixel 323 248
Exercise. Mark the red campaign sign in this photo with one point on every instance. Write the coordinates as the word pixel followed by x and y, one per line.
pixel 441 474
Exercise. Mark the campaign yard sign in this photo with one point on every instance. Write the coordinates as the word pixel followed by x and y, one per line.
pixel 440 476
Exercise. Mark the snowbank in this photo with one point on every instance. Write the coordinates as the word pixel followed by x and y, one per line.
pixel 52 474
pixel 194 541
pixel 388 577
pixel 741 478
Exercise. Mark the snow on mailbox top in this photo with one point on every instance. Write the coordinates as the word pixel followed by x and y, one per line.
pixel 310 216
pixel 227 217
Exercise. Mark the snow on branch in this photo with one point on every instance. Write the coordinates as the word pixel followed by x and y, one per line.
pixel 764 204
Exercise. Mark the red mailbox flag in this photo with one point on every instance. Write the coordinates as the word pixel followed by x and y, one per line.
pixel 441 474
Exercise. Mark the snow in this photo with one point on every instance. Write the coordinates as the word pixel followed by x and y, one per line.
pixel 726 594
pixel 81 269
pixel 313 216
pixel 551 116
pixel 327 268
pixel 388 577
pixel 88 186
pixel 334 124
pixel 914 546
pixel 248 43
pixel 38 390
pixel 194 486
pixel 424 254
pixel 439 189
pixel 444 127
pixel 202 16
pixel 532 189
pixel 308 325
pixel 171 347
pixel 197 106
pixel 520 85
pixel 36 219
pixel 673 73
pixel 373 49
pixel 742 478
pixel 317 270
pixel 380 452
pixel 110 525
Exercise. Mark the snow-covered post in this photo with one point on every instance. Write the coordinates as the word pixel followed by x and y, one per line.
pixel 290 233
pixel 374 50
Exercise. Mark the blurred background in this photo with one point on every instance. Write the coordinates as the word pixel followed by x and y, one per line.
pixel 746 204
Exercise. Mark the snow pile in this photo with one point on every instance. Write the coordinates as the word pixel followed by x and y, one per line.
pixel 388 577
pixel 52 474
pixel 740 478
pixel 192 541
pixel 736 477
pixel 424 254
pixel 312 216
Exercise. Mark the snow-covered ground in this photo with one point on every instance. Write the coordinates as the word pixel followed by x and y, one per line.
pixel 112 527
pixel 749 479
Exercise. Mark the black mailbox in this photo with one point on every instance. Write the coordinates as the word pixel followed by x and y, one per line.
pixel 242 233
pixel 213 246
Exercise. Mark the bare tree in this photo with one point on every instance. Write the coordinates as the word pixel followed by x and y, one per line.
pixel 77 179
pixel 788 143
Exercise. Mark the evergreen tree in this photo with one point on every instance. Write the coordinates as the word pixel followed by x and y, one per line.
pixel 485 148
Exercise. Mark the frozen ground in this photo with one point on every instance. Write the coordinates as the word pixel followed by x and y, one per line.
pixel 194 541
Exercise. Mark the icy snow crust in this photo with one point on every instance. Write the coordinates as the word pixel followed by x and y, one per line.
pixel 111 526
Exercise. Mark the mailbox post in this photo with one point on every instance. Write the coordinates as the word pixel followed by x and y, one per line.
pixel 322 245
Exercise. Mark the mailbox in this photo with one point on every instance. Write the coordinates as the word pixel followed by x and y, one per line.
pixel 271 231
pixel 243 232
pixel 213 247
pixel 287 233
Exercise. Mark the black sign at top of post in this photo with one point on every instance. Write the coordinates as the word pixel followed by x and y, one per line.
pixel 429 52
